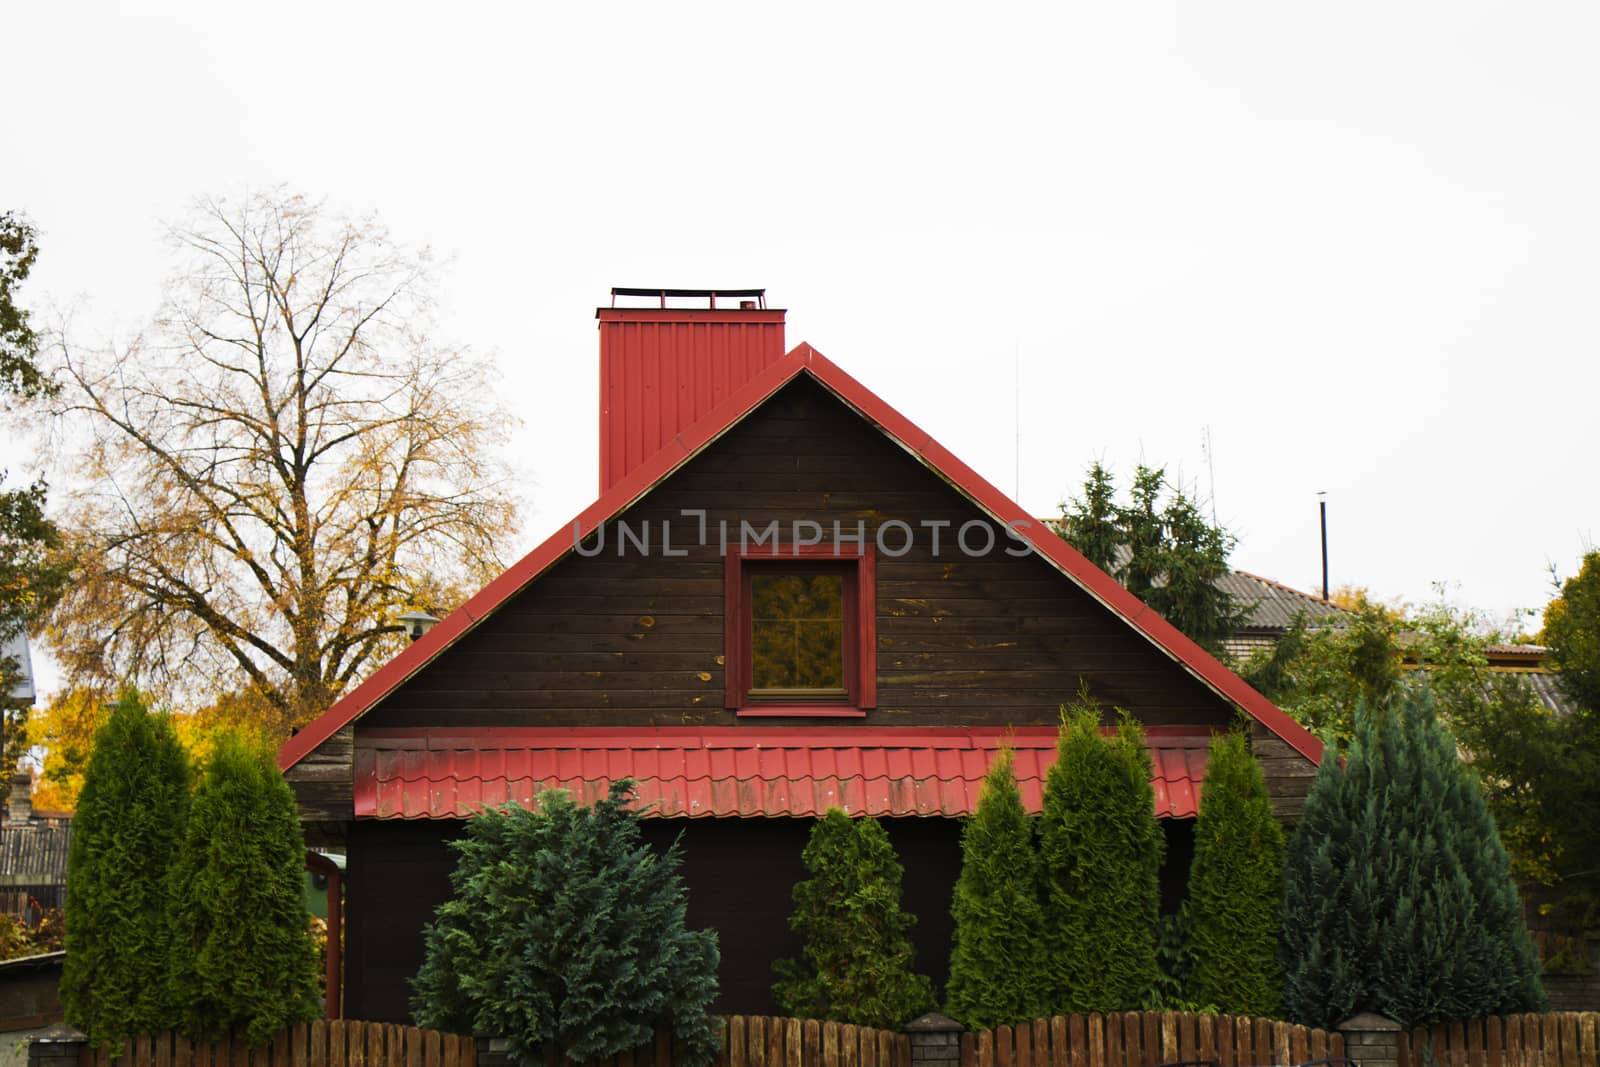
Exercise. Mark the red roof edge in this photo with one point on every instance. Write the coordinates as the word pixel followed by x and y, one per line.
pixel 719 421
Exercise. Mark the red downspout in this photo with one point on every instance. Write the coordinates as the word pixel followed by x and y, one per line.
pixel 320 864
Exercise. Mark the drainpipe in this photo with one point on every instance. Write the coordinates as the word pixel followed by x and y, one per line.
pixel 317 863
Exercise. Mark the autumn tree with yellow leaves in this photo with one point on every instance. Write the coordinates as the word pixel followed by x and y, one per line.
pixel 277 468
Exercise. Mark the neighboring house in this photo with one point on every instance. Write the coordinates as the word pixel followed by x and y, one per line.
pixel 15 649
pixel 786 598
pixel 33 855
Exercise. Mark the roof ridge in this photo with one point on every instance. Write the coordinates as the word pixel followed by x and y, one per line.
pixel 1274 583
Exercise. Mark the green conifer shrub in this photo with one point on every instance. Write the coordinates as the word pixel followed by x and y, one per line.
pixel 1101 851
pixel 129 821
pixel 995 975
pixel 243 961
pixel 1398 896
pixel 1235 886
pixel 856 965
pixel 565 927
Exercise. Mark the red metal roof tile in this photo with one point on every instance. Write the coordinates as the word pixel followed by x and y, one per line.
pixel 692 773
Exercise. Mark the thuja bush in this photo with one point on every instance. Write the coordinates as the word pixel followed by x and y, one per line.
pixel 857 962
pixel 1101 851
pixel 994 971
pixel 566 929
pixel 1235 886
pixel 129 821
pixel 1398 896
pixel 243 960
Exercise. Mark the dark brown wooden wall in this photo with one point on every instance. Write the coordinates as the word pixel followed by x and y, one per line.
pixel 740 875
pixel 639 639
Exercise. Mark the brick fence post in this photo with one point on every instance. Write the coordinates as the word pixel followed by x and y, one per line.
pixel 1371 1040
pixel 935 1041
pixel 58 1046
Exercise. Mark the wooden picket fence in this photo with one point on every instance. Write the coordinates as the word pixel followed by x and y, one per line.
pixel 747 1041
pixel 1555 1039
pixel 1148 1038
pixel 770 1041
pixel 323 1043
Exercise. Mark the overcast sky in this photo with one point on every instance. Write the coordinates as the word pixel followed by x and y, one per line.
pixel 1358 242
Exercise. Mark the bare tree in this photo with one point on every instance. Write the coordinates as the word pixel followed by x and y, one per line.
pixel 277 468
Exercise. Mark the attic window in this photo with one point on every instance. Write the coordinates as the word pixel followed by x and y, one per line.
pixel 799 632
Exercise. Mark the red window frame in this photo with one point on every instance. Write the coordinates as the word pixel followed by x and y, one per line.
pixel 860 627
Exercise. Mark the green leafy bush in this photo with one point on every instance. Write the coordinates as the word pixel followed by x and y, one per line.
pixel 1101 849
pixel 856 965
pixel 994 971
pixel 130 819
pixel 566 927
pixel 243 960
pixel 1235 886
pixel 1398 896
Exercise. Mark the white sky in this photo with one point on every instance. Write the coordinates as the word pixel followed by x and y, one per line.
pixel 1357 241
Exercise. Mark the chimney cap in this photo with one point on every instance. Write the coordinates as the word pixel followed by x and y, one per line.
pixel 759 295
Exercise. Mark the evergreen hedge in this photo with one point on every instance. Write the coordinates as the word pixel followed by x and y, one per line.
pixel 1101 850
pixel 1398 896
pixel 1235 887
pixel 995 974
pixel 129 821
pixel 566 927
pixel 243 960
pixel 856 964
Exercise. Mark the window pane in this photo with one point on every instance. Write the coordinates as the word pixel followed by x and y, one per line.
pixel 797 631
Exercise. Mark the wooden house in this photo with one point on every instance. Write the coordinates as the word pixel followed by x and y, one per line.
pixel 786 598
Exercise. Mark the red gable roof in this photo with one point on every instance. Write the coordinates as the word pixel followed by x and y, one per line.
pixel 687 772
pixel 803 359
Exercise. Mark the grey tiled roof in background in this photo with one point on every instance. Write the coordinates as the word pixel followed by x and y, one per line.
pixel 1273 605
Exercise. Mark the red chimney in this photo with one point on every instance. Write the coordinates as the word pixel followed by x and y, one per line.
pixel 663 368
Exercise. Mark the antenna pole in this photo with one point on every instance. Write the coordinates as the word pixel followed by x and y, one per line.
pixel 1016 420
pixel 1322 506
